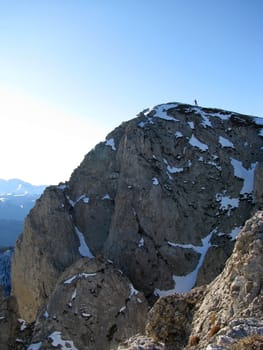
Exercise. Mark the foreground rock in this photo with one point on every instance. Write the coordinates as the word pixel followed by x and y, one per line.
pixel 226 314
pixel 160 197
pixel 93 306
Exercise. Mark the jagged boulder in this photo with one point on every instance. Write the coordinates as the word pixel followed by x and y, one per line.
pixel 93 306
pixel 155 198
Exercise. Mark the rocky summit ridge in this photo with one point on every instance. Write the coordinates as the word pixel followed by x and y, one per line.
pixel 149 214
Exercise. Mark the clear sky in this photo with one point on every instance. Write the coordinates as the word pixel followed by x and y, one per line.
pixel 73 70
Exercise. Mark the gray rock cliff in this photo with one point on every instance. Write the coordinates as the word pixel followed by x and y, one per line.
pixel 155 197
pixel 163 199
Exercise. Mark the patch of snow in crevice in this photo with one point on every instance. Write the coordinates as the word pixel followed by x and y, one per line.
pixel 74 294
pixel 226 202
pixel 23 324
pixel 187 282
pixel 221 115
pixel 205 117
pixel 111 143
pixel 106 197
pixel 83 248
pixel 133 291
pixel 84 198
pixel 80 276
pixel 246 174
pixel 142 124
pixel 260 132
pixel 122 309
pixel 141 243
pixel 71 202
pixel 225 142
pixel 233 234
pixel 35 346
pixel 211 162
pixel 57 341
pixel 191 124
pixel 161 111
pixel 196 143
pixel 174 170
pixel 155 181
pixel 62 187
pixel 178 134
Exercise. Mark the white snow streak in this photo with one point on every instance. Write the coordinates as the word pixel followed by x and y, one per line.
pixel 196 143
pixel 161 111
pixel 225 142
pixel 155 181
pixel 246 174
pixel 187 282
pixel 106 196
pixel 227 202
pixel 174 170
pixel 35 346
pixel 178 134
pixel 79 276
pixel 141 243
pixel 111 143
pixel 63 344
pixel 83 248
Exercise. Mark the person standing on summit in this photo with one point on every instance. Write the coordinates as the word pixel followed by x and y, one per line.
pixel 196 103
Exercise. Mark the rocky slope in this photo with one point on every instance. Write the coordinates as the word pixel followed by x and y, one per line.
pixel 224 314
pixel 163 198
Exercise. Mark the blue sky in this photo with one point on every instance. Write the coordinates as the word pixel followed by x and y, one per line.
pixel 71 71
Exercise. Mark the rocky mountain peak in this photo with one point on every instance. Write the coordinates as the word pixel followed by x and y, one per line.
pixel 163 198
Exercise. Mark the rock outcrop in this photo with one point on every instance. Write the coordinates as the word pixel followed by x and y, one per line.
pixel 224 314
pixel 163 191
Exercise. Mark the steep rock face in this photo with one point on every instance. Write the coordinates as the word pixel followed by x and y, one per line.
pixel 155 197
pixel 42 253
pixel 93 306
pixel 225 313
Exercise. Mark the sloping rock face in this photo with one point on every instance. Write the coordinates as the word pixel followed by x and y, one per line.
pixel 42 252
pixel 156 197
pixel 226 314
pixel 93 306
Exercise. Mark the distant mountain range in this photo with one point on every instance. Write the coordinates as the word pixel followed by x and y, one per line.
pixel 17 197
